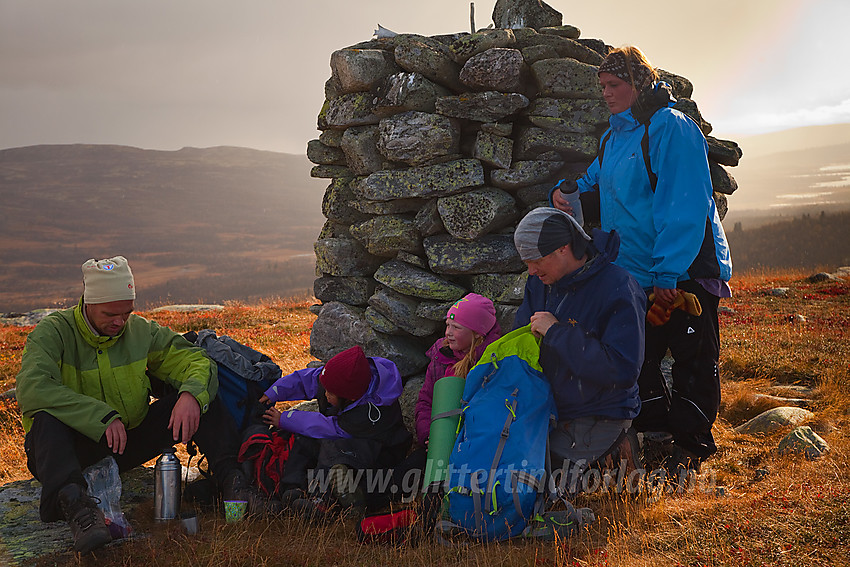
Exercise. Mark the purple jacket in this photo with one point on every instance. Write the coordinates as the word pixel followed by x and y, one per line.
pixel 384 390
pixel 442 361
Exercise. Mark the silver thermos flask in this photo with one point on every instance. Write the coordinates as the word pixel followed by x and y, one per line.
pixel 166 487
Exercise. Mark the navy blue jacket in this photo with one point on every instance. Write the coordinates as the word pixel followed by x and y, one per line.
pixel 593 355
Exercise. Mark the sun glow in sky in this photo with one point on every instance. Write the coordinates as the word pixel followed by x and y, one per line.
pixel 161 74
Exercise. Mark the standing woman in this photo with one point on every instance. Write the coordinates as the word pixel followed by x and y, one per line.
pixel 654 189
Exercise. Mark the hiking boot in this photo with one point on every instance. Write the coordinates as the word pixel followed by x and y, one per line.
pixel 84 517
pixel 657 447
pixel 315 510
pixel 343 488
pixel 236 487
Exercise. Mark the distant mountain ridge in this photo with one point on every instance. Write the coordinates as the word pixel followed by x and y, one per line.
pixel 191 221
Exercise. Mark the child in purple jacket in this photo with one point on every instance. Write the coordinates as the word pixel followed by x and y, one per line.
pixel 358 425
pixel 470 327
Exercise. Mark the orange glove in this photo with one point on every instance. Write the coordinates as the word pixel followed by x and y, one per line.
pixel 686 301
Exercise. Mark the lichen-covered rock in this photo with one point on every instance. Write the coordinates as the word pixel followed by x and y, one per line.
pixel 403 91
pixel 505 315
pixel 524 173
pixel 361 69
pixel 489 106
pixel 416 138
pixel 578 116
pixel 566 78
pixel 408 399
pixel 564 47
pixel 725 152
pixel 412 259
pixel 500 288
pixel 497 69
pixel 428 181
pixel 467 46
pixel 721 180
pixel 380 323
pixel 338 327
pixel 491 253
pixel 417 282
pixel 803 441
pixel 513 14
pixel 721 203
pixel 359 146
pixel 473 214
pixel 535 193
pixel 353 290
pixel 319 153
pixel 406 353
pixel 401 310
pixel 355 109
pixel 344 257
pixel 570 32
pixel 774 420
pixel 331 172
pixel 386 235
pixel 337 203
pixel 535 53
pixel 573 147
pixel 395 207
pixel 430 58
pixel 434 310
pixel 331 138
pixel 428 219
pixel 495 151
pixel 502 129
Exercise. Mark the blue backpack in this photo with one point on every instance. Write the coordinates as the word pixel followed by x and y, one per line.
pixel 244 374
pixel 498 467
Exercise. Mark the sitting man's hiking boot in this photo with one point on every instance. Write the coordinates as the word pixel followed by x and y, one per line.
pixel 84 517
pixel 236 487
pixel 344 488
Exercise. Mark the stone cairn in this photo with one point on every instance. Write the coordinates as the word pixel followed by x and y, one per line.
pixel 436 147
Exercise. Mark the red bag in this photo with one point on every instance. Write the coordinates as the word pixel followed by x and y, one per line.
pixel 393 528
pixel 269 452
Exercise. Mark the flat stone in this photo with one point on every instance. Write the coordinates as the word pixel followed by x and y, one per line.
pixel 417 282
pixel 566 78
pixel 573 147
pixel 725 152
pixel 355 109
pixel 579 116
pixel 319 153
pixel 395 207
pixel 359 147
pixel 428 219
pixel 524 173
pixel 189 308
pixel 344 257
pixel 489 106
pixel 353 290
pixel 333 229
pixel 491 253
pixel 471 215
pixel 361 69
pixel 401 310
pixel 570 32
pixel 505 315
pixel 535 53
pixel 407 354
pixel 689 107
pixel 534 193
pixel 803 441
pixel 500 288
pixel 386 235
pixel 495 151
pixel 338 327
pixel 497 69
pixel 407 401
pixel 416 138
pixel 682 87
pixel 331 172
pixel 427 181
pixel 774 420
pixel 434 310
pixel 469 45
pixel 331 137
pixel 380 323
pixel 498 128
pixel 566 48
pixel 412 259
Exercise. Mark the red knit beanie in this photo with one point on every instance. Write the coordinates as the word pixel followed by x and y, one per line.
pixel 347 374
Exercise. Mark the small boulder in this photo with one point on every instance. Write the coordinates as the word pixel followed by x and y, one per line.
pixel 803 441
pixel 774 420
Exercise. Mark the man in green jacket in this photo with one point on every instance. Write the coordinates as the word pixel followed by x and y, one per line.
pixel 84 389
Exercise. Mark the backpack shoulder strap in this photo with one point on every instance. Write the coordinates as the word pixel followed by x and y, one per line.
pixel 644 145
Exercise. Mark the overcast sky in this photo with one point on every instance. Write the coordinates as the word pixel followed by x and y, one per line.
pixel 164 74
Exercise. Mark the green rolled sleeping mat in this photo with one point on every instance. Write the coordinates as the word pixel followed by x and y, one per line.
pixel 445 416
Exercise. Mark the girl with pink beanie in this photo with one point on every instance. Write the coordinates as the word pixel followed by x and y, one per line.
pixel 470 327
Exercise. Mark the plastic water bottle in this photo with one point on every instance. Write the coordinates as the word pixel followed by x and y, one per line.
pixel 570 192
pixel 166 486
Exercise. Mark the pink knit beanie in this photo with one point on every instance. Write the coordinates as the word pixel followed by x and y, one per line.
pixel 475 312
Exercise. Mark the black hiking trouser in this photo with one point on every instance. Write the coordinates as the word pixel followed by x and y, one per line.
pixel 57 453
pixel 690 408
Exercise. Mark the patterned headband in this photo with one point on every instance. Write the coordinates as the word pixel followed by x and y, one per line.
pixel 616 64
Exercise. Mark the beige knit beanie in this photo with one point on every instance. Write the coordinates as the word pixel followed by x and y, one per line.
pixel 107 280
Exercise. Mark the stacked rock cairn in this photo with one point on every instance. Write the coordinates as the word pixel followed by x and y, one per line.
pixel 435 148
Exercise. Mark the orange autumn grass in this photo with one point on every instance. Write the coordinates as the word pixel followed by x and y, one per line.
pixel 791 512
